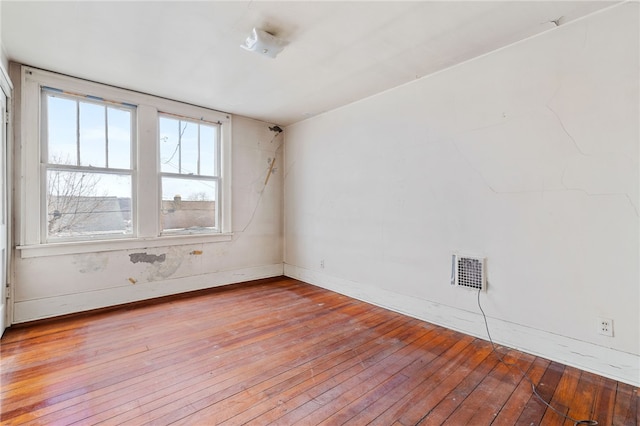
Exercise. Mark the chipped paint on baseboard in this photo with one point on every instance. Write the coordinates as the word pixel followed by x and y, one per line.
pixel 46 307
pixel 147 258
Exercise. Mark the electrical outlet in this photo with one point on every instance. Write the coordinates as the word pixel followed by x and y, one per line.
pixel 605 326
pixel 322 264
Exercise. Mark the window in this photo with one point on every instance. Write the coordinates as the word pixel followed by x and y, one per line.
pixel 105 166
pixel 86 145
pixel 189 169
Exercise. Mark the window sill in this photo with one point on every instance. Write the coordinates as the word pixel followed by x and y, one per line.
pixel 57 249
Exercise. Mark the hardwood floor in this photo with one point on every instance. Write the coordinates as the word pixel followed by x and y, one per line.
pixel 282 352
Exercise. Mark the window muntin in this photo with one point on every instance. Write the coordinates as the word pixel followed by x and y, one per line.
pixel 87 146
pixel 189 164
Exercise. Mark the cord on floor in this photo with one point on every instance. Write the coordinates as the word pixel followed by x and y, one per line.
pixel 526 376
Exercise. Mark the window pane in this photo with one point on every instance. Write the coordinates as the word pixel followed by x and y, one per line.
pixel 81 203
pixel 92 135
pixel 119 138
pixel 208 143
pixel 189 149
pixel 61 130
pixel 188 204
pixel 169 148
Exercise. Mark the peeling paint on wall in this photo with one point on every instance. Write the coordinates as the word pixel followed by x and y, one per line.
pixel 91 263
pixel 165 270
pixel 147 258
pixel 85 281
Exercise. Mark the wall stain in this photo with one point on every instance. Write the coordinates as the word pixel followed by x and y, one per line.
pixel 147 258
pixel 91 263
pixel 165 270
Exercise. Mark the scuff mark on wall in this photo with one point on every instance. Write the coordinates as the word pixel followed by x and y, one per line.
pixel 147 258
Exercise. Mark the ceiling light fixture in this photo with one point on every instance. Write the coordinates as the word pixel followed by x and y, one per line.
pixel 262 42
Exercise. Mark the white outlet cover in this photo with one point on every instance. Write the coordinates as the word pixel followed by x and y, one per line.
pixel 605 326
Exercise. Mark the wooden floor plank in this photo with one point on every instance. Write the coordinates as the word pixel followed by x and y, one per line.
pixel 627 405
pixel 382 396
pixel 535 410
pixel 370 382
pixel 274 391
pixel 219 377
pixel 290 397
pixel 330 391
pixel 154 364
pixel 604 402
pixel 454 399
pixel 151 364
pixel 281 352
pixel 134 332
pixel 486 401
pixel 562 397
pixel 429 387
pixel 513 407
pixel 306 399
pixel 257 373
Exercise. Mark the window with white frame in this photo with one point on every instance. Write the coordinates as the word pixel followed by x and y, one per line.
pixel 86 149
pixel 103 165
pixel 189 174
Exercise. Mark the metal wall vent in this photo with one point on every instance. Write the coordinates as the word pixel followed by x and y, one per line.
pixel 469 272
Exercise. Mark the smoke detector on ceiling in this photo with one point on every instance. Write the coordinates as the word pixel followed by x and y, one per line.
pixel 262 42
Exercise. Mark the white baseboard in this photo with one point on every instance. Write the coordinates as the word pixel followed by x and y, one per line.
pixel 607 362
pixel 30 310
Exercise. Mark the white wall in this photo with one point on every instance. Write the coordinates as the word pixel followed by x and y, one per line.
pixel 54 285
pixel 3 57
pixel 527 155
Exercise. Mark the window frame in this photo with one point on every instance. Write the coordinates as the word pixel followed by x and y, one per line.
pixel 194 176
pixel 47 166
pixel 146 196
